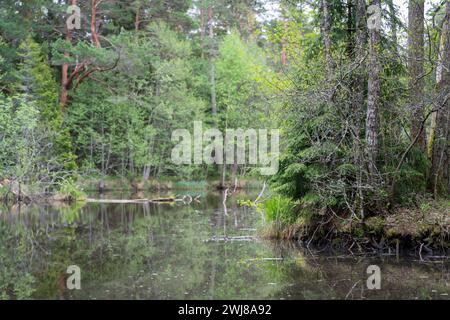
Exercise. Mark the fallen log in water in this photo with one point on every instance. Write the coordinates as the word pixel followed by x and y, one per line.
pixel 265 259
pixel 158 200
pixel 227 238
pixel 171 199
pixel 117 200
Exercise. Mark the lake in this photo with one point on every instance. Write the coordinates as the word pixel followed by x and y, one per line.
pixel 200 250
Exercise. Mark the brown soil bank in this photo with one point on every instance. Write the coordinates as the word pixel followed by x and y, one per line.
pixel 425 230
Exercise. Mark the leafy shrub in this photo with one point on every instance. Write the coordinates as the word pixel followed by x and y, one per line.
pixel 70 191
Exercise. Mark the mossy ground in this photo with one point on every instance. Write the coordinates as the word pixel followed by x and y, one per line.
pixel 427 225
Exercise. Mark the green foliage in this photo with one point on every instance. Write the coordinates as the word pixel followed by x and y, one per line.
pixel 324 156
pixel 69 190
pixel 280 209
pixel 157 69
pixel 19 130
pixel 412 177
pixel 35 79
pixel 129 130
pixel 147 78
pixel 34 147
pixel 241 101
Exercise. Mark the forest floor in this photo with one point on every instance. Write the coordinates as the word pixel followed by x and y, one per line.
pixel 432 218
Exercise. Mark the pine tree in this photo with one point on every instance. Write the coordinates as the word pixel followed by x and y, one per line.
pixel 35 80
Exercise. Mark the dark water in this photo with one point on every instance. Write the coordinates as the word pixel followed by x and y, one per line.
pixel 197 251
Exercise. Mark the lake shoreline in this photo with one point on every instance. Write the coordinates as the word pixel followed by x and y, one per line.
pixel 13 192
pixel 424 231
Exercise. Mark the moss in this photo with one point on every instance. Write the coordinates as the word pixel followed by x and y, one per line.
pixel 358 231
pixel 375 224
pixel 344 226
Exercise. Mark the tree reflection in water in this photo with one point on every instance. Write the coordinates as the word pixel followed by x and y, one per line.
pixel 148 251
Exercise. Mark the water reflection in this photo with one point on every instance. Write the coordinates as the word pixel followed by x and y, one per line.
pixel 203 250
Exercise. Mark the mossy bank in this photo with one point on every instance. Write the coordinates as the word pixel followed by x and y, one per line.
pixel 423 229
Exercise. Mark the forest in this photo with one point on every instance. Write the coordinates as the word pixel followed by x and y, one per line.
pixel 92 90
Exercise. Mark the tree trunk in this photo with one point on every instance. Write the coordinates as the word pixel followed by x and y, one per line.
pixel 64 95
pixel 223 176
pixel 373 96
pixel 350 41
pixel 283 44
pixel 416 14
pixel 137 18
pixel 361 40
pixel 202 28
pixel 440 175
pixel 212 81
pixel 212 71
pixel 325 28
pixel 393 25
pixel 94 35
pixel 439 70
pixel 359 95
